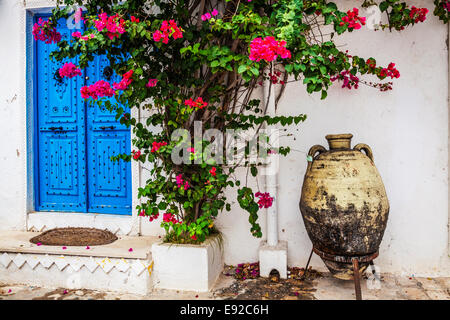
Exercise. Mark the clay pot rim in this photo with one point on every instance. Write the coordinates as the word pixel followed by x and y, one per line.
pixel 339 136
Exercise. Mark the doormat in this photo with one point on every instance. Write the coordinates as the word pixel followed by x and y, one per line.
pixel 74 237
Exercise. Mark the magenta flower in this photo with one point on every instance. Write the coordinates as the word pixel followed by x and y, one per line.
pixel 151 83
pixel 130 250
pixel 265 200
pixel 69 70
pixel 99 89
pixel 114 25
pixel 39 244
pixel 64 248
pixel 87 247
pixel 182 183
pixel 268 49
pixel 125 82
pixel 214 12
pixel 43 32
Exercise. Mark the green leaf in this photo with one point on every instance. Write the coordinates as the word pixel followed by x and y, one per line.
pixel 242 68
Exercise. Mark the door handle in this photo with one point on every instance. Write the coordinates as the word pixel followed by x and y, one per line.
pixel 110 127
pixel 56 128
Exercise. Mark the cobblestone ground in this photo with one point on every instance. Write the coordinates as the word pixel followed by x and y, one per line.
pixel 391 287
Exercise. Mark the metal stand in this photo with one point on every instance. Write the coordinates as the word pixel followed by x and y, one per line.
pixel 355 261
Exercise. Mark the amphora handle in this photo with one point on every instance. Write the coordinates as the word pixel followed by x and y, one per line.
pixel 366 148
pixel 312 154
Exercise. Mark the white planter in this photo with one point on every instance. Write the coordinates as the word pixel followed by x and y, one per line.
pixel 186 266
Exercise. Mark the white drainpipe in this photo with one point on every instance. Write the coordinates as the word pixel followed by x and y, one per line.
pixel 272 253
pixel 272 170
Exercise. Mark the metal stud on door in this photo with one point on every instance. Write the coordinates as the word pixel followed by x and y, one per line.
pixel 61 134
pixel 108 181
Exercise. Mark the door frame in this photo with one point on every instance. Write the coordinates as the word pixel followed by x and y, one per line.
pixel 30 8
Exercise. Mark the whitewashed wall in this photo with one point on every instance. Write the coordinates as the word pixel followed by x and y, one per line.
pixel 407 129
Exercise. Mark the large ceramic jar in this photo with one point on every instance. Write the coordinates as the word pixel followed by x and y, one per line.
pixel 343 203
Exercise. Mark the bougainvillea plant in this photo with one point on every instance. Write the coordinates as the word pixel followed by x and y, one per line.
pixel 184 62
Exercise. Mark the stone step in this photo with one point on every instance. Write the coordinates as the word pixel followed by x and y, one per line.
pixel 125 265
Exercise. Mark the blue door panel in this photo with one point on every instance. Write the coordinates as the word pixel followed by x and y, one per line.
pixel 110 181
pixel 75 141
pixel 61 134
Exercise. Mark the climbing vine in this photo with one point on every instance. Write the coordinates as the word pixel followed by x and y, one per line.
pixel 184 62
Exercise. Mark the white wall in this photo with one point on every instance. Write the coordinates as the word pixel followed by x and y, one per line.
pixel 407 129
pixel 12 126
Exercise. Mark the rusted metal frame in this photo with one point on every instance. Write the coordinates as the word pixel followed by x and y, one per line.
pixel 356 279
pixel 345 259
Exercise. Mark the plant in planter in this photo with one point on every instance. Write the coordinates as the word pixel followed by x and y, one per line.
pixel 189 62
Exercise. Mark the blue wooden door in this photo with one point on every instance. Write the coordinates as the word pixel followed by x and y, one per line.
pixel 75 142
pixel 109 181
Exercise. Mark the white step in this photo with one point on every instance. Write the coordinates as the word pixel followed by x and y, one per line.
pixel 112 267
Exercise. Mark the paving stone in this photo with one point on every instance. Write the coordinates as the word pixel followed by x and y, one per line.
pixel 414 293
pixel 427 283
pixel 392 287
pixel 437 294
pixel 444 283
pixel 405 281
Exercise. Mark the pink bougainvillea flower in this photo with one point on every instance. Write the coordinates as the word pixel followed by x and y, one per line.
pixel 157 145
pixel 352 20
pixel 446 5
pixel 76 34
pixel 268 49
pixel 87 247
pixel 153 217
pixel 65 292
pixel 213 171
pixel 198 103
pixel 194 237
pixel 134 19
pixel 142 213
pixel 114 25
pixel 151 83
pixel 418 14
pixel 390 71
pixel 265 200
pixel 39 244
pixel 130 250
pixel 170 217
pixel 9 291
pixel 206 16
pixel 64 248
pixel 181 183
pixel 157 35
pixel 136 154
pixel 69 70
pixel 44 32
pixel 191 150
pixel 125 82
pixel 168 29
pixel 97 90
pixel 214 12
pixel 349 80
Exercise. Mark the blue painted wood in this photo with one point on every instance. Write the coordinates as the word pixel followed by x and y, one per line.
pixel 75 142
pixel 109 181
